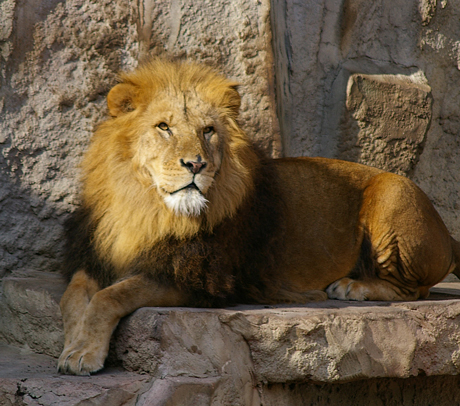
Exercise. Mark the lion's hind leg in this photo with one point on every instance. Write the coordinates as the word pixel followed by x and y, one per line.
pixel 373 276
pixel 406 247
pixel 382 273
pixel 372 289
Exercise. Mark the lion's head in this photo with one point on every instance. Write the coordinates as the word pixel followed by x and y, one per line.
pixel 172 159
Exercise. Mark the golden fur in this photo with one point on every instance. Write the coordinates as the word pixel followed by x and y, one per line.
pixel 179 209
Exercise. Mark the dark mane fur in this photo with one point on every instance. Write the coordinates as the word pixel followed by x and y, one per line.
pixel 233 264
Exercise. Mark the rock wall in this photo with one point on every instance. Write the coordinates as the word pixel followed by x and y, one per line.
pixel 373 82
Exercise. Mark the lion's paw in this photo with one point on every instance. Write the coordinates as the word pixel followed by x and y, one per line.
pixel 81 360
pixel 347 289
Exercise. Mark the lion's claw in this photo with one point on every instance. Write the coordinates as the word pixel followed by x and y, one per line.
pixel 346 289
pixel 81 361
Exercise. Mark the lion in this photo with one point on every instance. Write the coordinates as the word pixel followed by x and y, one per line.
pixel 179 208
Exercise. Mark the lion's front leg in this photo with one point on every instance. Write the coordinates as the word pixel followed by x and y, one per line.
pixel 88 348
pixel 74 302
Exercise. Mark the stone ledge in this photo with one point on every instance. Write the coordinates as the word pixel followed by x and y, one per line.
pixel 27 378
pixel 229 353
pixel 326 342
pixel 31 379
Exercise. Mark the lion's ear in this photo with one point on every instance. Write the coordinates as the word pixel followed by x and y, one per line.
pixel 121 99
pixel 232 99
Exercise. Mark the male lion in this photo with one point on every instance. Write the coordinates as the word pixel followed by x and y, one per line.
pixel 178 209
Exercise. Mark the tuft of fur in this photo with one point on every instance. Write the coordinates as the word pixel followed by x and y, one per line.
pixel 189 202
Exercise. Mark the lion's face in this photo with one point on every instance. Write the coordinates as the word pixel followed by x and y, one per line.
pixel 181 149
pixel 180 126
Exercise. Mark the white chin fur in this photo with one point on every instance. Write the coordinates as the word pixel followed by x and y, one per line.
pixel 188 202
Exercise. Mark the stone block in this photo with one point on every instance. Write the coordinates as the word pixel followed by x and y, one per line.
pixel 193 343
pixel 29 311
pixel 393 113
pixel 326 342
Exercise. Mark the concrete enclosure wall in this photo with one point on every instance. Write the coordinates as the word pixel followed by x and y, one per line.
pixel 369 81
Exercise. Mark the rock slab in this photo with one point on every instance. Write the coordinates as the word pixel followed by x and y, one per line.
pixel 325 342
pixel 245 355
pixel 31 379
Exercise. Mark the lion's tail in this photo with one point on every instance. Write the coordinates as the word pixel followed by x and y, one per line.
pixel 456 251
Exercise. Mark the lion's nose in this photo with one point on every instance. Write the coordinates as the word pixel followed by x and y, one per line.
pixel 193 166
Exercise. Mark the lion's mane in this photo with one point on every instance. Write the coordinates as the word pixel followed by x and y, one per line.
pixel 124 228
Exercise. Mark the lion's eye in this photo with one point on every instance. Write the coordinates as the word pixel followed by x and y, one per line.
pixel 163 126
pixel 208 131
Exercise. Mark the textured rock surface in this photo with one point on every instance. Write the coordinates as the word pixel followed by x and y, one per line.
pixel 29 311
pixel 393 114
pixel 327 342
pixel 188 343
pixel 58 60
pixel 31 379
pixel 238 356
pixel 422 391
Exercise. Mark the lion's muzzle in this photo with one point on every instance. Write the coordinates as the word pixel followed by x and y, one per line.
pixel 194 166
